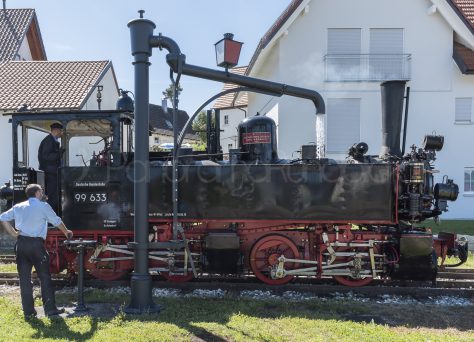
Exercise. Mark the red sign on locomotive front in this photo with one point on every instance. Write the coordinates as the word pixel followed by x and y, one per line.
pixel 256 138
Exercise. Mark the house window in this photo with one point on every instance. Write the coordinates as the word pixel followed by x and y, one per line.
pixel 463 110
pixel 343 124
pixel 157 140
pixel 226 119
pixel 386 60
pixel 469 180
pixel 344 46
pixel 229 146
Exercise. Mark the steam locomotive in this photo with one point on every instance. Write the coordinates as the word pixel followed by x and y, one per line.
pixel 254 214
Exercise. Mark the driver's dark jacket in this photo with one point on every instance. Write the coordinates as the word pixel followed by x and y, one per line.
pixel 49 155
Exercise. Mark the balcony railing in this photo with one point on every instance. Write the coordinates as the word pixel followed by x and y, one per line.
pixel 367 67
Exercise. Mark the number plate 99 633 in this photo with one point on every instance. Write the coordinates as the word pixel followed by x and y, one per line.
pixel 90 197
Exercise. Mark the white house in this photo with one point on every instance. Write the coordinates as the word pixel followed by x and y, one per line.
pixel 26 78
pixel 344 49
pixel 233 109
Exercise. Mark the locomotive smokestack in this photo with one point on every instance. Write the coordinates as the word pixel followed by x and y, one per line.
pixel 393 93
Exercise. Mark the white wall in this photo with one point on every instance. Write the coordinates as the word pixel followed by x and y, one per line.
pixel 110 94
pixel 229 134
pixel 297 58
pixel 24 53
pixel 84 145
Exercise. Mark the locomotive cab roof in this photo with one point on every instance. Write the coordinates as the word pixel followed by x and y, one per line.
pixel 76 123
pixel 110 126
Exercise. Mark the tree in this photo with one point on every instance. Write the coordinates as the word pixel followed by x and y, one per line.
pixel 200 125
pixel 168 93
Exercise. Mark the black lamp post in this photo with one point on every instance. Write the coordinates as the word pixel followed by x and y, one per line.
pixel 99 95
pixel 227 51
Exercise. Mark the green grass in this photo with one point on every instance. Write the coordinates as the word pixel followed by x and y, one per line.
pixel 464 227
pixel 8 267
pixel 468 264
pixel 227 319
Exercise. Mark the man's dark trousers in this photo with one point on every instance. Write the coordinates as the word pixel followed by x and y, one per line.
pixel 51 185
pixel 31 252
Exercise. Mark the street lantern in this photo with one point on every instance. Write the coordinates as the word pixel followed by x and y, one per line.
pixel 227 51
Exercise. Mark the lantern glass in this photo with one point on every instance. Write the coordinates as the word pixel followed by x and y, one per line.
pixel 220 55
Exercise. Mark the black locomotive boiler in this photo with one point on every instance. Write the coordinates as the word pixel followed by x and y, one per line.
pixel 253 214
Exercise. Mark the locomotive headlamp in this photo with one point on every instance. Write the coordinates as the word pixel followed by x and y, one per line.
pixel 448 190
pixel 227 51
pixel 433 142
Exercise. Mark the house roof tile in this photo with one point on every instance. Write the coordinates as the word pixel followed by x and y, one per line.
pixel 465 10
pixel 14 26
pixel 48 85
pixel 232 100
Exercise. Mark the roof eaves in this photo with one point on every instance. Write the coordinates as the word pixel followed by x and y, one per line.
pixel 115 79
pixel 40 37
pixel 461 15
pixel 231 107
pixel 273 31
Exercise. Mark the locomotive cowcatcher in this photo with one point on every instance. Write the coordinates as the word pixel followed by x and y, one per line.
pixel 253 214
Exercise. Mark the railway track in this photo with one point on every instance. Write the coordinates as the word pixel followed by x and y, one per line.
pixel 5 259
pixel 457 282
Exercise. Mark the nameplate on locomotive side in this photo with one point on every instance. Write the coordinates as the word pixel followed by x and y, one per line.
pixel 256 138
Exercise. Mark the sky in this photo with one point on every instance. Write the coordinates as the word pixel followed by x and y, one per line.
pixel 97 30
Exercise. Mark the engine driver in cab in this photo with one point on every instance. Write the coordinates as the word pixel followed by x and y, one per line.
pixel 49 158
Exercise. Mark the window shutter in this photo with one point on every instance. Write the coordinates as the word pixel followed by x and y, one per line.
pixel 463 109
pixel 467 180
pixel 344 41
pixel 343 124
pixel 386 59
pixel 386 41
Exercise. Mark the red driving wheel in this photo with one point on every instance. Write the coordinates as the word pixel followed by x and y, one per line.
pixel 265 254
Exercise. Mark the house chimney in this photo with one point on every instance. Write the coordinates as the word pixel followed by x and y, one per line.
pixel 4 5
pixel 164 104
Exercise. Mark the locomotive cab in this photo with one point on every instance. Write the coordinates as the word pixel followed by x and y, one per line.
pixel 84 132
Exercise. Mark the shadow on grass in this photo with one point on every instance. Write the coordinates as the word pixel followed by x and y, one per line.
pixel 189 313
pixel 58 329
pixel 221 311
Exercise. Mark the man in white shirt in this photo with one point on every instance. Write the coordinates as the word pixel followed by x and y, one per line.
pixel 31 222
